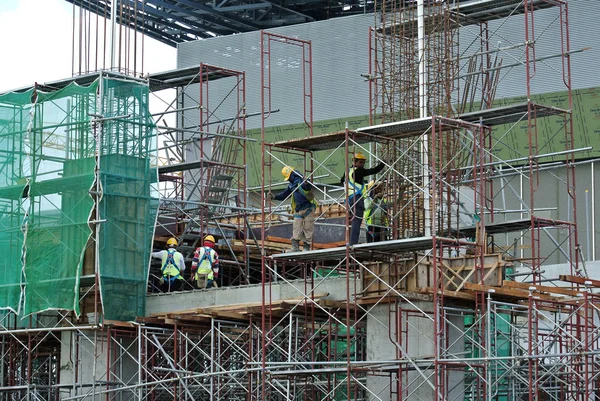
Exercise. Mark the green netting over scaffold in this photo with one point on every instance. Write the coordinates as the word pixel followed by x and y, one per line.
pixel 127 209
pixel 60 160
pixel 14 118
pixel 51 145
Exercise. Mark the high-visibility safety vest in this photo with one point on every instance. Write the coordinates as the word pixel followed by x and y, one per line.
pixel 353 187
pixel 376 213
pixel 206 257
pixel 310 196
pixel 170 265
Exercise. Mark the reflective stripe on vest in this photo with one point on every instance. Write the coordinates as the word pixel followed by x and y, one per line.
pixel 170 267
pixel 376 214
pixel 309 197
pixel 353 188
pixel 205 263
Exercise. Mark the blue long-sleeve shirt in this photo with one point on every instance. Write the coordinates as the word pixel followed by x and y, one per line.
pixel 301 201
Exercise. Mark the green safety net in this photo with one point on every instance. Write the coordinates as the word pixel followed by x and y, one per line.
pixel 128 156
pixel 499 350
pixel 14 117
pixel 60 147
pixel 49 155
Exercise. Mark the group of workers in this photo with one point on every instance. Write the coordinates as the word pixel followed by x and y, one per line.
pixel 205 266
pixel 365 200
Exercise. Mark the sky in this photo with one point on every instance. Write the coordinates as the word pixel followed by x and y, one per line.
pixel 36 44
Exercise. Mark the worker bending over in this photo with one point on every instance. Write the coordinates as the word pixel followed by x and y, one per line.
pixel 304 205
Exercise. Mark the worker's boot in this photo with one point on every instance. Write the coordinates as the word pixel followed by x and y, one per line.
pixel 295 246
pixel 306 246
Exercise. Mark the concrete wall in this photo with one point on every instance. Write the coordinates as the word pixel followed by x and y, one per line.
pixel 77 348
pixel 417 343
pixel 161 303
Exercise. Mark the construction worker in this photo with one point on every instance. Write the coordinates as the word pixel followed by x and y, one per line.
pixel 304 205
pixel 376 212
pixel 356 192
pixel 172 268
pixel 205 265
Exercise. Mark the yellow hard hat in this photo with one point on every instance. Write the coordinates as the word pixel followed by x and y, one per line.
pixel 286 171
pixel 172 242
pixel 359 156
pixel 370 184
pixel 210 238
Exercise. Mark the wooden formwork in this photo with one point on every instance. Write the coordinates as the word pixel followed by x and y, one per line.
pixel 415 274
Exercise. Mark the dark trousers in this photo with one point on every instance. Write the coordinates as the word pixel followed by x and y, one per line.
pixel 375 233
pixel 171 285
pixel 357 210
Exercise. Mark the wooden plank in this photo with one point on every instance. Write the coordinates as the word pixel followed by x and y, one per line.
pixel 469 296
pixel 232 307
pixel 541 288
pixel 117 323
pixel 151 320
pixel 457 274
pixel 230 316
pixel 371 300
pixel 507 292
pixel 492 269
pixel 316 245
pixel 580 280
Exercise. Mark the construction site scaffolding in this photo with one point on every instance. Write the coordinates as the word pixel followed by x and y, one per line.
pixel 459 322
pixel 203 165
pixel 434 312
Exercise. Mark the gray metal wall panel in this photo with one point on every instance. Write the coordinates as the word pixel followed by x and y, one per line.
pixel 340 56
pixel 339 53
pixel 553 202
pixel 510 32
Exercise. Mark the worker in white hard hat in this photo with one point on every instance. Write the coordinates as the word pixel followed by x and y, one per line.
pixel 356 192
pixel 172 268
pixel 205 265
pixel 304 205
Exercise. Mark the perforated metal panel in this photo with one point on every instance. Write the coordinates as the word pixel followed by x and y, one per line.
pixel 339 57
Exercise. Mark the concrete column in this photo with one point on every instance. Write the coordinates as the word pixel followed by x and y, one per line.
pixel 417 344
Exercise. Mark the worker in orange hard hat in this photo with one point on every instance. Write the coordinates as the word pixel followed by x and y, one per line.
pixel 173 266
pixel 304 205
pixel 205 264
pixel 357 191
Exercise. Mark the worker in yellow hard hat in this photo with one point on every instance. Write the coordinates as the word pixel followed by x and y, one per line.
pixel 172 268
pixel 304 205
pixel 356 192
pixel 205 264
